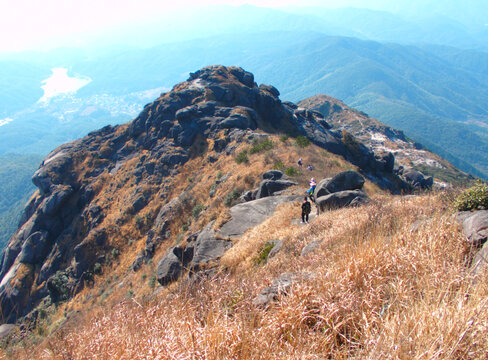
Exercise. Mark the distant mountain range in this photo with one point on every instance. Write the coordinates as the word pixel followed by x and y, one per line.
pixel 437 95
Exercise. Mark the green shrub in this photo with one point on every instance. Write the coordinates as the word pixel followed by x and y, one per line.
pixel 152 281
pixel 139 220
pixel 292 171
pixel 259 146
pixel 185 226
pixel 197 209
pixel 242 157
pixel 279 165
pixel 97 268
pixel 302 141
pixel 284 138
pixel 58 286
pixel 231 197
pixel 262 256
pixel 474 198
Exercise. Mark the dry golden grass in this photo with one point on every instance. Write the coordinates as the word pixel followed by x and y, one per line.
pixel 388 281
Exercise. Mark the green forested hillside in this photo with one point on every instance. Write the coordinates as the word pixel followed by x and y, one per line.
pixel 16 188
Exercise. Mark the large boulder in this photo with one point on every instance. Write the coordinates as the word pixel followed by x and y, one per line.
pixel 347 180
pixel 247 215
pixel 415 178
pixel 169 268
pixel 321 189
pixel 342 199
pixel 174 262
pixel 475 226
pixel 269 187
pixel 208 247
pixel 272 175
pixel 6 330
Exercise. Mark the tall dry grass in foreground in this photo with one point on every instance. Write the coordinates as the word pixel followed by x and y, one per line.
pixel 389 281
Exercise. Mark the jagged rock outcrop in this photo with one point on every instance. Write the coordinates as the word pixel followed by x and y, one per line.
pixel 91 188
pixel 390 146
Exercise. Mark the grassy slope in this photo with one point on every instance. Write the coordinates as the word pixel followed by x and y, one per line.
pixel 378 289
pixel 387 281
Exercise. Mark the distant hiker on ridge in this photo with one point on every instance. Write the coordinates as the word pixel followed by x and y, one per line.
pixel 299 162
pixel 310 167
pixel 306 208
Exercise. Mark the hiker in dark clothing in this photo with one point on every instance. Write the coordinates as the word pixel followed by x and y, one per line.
pixel 306 208
pixel 299 162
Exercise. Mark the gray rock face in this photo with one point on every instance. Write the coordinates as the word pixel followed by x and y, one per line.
pixel 415 178
pixel 385 161
pixel 169 268
pixel 310 248
pixel 272 175
pixel 52 170
pixel 247 215
pixel 59 194
pixel 280 287
pixel 321 189
pixel 475 226
pixel 34 248
pixel 277 246
pixel 271 89
pixel 480 260
pixel 203 249
pixel 342 199
pixel 208 248
pixel 6 330
pixel 347 180
pixel 269 187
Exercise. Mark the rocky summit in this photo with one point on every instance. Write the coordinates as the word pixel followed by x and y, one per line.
pixel 115 198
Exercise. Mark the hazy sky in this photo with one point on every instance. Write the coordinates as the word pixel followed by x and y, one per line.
pixel 44 24
pixel 39 24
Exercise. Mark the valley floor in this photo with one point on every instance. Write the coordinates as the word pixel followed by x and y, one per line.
pixel 385 281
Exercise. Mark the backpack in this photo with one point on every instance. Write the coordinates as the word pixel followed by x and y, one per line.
pixel 306 207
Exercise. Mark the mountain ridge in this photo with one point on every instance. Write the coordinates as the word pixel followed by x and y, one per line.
pixel 380 137
pixel 96 193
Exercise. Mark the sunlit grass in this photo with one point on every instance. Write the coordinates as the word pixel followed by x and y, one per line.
pixel 377 287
